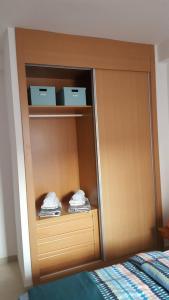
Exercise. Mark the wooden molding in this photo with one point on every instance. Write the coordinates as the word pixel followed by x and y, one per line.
pixel 43 47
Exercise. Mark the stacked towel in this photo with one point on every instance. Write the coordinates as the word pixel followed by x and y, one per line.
pixel 51 206
pixel 79 203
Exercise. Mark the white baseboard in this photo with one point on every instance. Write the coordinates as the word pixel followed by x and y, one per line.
pixel 5 260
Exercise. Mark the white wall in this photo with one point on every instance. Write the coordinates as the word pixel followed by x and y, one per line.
pixel 162 72
pixel 163 51
pixel 163 133
pixel 7 218
pixel 17 155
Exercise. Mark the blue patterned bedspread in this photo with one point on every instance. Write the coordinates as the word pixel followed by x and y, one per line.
pixel 144 276
pixel 132 281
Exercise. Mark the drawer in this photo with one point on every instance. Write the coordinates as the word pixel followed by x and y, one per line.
pixel 67 242
pixel 63 241
pixel 64 224
pixel 68 258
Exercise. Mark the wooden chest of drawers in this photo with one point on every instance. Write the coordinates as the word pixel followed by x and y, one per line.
pixel 164 232
pixel 67 241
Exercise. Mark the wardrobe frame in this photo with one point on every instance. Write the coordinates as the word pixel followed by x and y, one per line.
pixel 45 48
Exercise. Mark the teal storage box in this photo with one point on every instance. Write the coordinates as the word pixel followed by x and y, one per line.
pixel 72 96
pixel 42 95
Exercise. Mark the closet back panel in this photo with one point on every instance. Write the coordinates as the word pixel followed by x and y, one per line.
pixel 60 77
pixel 87 157
pixel 54 156
pixel 126 162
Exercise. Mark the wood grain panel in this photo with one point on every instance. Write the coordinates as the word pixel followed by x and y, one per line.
pixel 38 71
pixel 71 257
pixel 70 50
pixel 60 109
pixel 67 50
pixel 58 83
pixel 87 157
pixel 76 234
pixel 28 167
pixel 126 162
pixel 96 234
pixel 54 157
pixel 89 266
pixel 164 232
pixel 52 244
pixel 65 226
pixel 65 217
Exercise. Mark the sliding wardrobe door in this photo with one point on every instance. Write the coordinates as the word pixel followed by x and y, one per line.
pixel 126 162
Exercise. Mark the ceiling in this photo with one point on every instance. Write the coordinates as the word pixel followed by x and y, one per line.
pixel 144 21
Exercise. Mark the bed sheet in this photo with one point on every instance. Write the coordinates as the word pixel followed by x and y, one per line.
pixel 126 281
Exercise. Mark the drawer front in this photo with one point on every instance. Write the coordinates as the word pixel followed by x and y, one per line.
pixel 64 225
pixel 63 241
pixel 68 258
pixel 67 242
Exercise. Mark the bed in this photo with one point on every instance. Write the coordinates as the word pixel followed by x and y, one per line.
pixel 143 276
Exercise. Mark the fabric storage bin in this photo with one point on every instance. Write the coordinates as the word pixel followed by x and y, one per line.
pixel 73 96
pixel 42 95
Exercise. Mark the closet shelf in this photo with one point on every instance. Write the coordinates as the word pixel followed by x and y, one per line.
pixel 58 111
pixel 64 213
pixel 56 116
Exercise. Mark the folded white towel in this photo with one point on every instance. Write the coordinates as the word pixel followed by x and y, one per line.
pixel 79 195
pixel 51 201
pixel 77 202
pixel 82 208
pixel 78 198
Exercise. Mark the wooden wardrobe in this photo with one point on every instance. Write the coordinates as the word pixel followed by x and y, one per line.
pixel 109 148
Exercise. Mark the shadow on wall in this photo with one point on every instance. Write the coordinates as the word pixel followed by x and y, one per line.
pixel 7 215
pixel 162 73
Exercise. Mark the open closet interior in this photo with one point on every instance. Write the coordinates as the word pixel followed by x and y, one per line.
pixel 63 151
pixel 62 137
